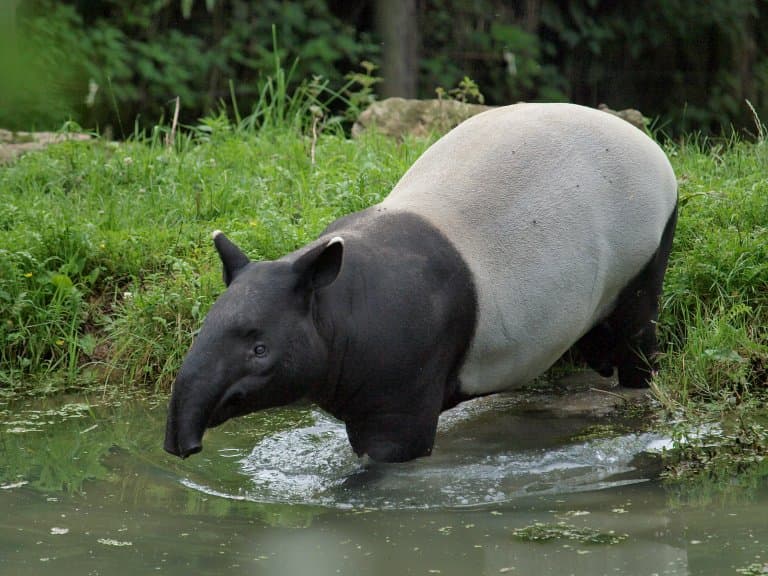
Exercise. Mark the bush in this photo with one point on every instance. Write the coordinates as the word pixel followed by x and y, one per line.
pixel 109 62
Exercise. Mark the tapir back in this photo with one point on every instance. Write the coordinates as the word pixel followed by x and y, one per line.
pixel 555 208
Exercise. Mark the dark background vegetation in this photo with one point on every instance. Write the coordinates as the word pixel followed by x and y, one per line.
pixel 689 63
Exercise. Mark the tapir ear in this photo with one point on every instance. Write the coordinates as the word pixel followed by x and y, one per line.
pixel 319 266
pixel 231 256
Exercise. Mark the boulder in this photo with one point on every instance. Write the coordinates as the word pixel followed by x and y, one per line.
pixel 634 117
pixel 399 117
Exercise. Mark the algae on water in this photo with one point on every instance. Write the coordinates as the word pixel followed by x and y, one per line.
pixel 540 532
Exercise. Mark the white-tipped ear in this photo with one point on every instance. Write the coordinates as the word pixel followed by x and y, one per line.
pixel 320 265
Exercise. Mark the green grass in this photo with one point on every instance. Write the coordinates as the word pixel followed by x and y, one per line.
pixel 714 322
pixel 107 269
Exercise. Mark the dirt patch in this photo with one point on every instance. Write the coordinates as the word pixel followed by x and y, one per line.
pixel 14 144
pixel 584 393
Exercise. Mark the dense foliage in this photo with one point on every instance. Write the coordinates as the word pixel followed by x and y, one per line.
pixel 109 61
pixel 105 62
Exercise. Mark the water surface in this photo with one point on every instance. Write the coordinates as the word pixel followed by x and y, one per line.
pixel 85 488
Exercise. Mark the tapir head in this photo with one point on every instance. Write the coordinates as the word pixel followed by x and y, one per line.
pixel 258 347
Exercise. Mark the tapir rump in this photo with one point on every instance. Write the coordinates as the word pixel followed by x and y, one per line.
pixel 525 231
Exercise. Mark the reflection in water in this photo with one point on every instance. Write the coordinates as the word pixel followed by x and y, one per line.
pixel 280 493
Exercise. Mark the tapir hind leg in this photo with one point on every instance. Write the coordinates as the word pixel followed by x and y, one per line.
pixel 633 321
pixel 598 349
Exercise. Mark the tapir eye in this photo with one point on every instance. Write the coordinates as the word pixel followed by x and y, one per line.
pixel 260 350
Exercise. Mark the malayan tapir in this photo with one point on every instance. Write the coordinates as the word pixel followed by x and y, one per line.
pixel 525 231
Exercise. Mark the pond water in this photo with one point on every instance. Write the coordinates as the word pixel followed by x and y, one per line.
pixel 85 488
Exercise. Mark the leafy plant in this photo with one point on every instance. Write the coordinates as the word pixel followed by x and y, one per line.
pixel 466 91
pixel 42 304
pixel 359 90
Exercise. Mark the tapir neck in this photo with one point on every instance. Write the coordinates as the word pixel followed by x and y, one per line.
pixel 402 289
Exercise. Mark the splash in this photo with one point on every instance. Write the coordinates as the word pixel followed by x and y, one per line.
pixel 303 464
pixel 314 464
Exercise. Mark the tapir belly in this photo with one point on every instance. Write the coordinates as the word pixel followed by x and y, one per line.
pixel 537 297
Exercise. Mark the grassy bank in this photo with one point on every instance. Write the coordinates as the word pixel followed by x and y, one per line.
pixel 715 303
pixel 106 266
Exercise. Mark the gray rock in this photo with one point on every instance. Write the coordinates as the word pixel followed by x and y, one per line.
pixel 634 117
pixel 399 117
